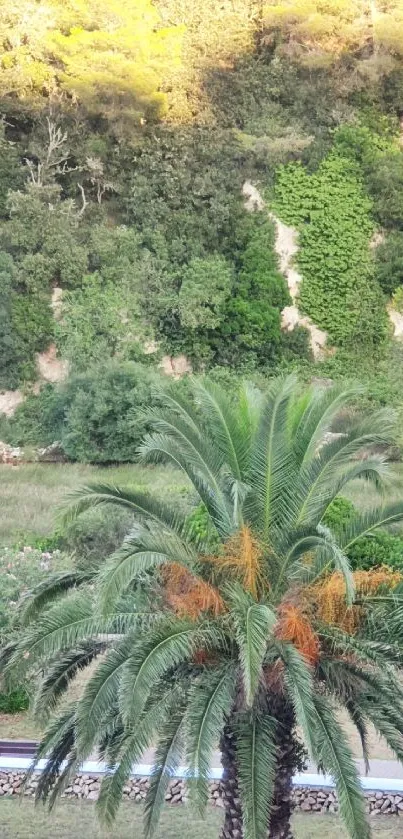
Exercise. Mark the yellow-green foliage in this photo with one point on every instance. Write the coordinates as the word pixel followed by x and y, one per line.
pixel 108 55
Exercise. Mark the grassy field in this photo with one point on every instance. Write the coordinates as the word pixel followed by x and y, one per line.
pixel 31 495
pixel 76 819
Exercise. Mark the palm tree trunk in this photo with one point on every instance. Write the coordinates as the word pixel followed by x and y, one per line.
pixel 280 817
pixel 232 827
pixel 290 758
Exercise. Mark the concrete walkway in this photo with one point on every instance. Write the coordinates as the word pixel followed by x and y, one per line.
pixel 377 768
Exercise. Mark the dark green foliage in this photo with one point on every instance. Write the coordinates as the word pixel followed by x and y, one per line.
pixel 385 184
pixel 389 262
pixel 95 535
pixel 185 193
pixel 377 549
pixel 39 420
pixel 102 422
pixel 95 415
pixel 296 344
pixel 12 175
pixel 9 373
pixel 14 702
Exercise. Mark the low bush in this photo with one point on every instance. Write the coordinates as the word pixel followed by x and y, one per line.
pixel 340 512
pixel 95 535
pixel 102 412
pixel 95 414
pixel 20 570
pixel 378 548
pixel 14 701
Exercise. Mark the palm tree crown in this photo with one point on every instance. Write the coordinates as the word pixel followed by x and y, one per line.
pixel 248 630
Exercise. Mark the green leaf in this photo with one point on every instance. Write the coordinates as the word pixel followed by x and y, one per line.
pixel 257 757
pixel 172 643
pixel 254 623
pixel 210 702
pixel 334 754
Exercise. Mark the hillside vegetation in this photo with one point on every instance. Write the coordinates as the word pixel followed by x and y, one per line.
pixel 128 131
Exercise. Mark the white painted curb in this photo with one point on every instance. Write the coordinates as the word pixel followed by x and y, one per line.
pixel 304 779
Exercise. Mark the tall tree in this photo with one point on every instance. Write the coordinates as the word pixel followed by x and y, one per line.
pixel 243 630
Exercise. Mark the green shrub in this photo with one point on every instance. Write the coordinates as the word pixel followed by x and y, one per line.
pixel 94 535
pixel 95 415
pixel 389 262
pixel 39 420
pixel 339 514
pixel 102 412
pixel 378 549
pixel 99 320
pixel 204 289
pixel 14 701
pixel 296 343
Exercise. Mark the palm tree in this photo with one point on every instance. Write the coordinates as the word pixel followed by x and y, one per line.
pixel 248 630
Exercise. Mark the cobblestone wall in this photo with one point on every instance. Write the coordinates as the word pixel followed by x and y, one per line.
pixel 314 800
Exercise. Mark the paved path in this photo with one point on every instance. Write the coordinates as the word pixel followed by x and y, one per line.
pixel 377 768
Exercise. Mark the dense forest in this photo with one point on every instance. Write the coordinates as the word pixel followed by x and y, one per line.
pixel 128 132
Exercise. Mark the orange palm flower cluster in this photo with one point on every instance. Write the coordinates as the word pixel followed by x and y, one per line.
pixel 242 556
pixel 188 595
pixel 329 595
pixel 294 625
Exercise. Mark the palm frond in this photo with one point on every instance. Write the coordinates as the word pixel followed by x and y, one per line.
pixel 386 724
pixel 61 673
pixel 363 524
pixel 161 448
pixel 63 625
pixel 56 746
pixel 334 754
pixel 357 717
pixel 256 757
pixel 210 703
pixel 272 464
pixel 166 760
pixel 142 550
pixel 224 426
pixel 253 623
pixel 171 643
pixel 320 408
pixel 132 746
pixel 329 556
pixel 341 460
pixel 101 694
pixel 50 590
pixel 299 682
pixel 141 504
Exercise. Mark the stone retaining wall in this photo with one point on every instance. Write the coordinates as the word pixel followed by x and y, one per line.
pixel 307 799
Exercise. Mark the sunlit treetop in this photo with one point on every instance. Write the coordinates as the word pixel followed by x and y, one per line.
pixel 108 55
